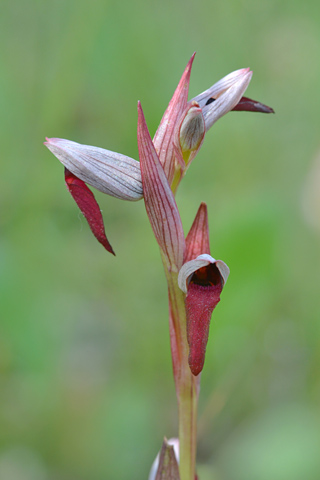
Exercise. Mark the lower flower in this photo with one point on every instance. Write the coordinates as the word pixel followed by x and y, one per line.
pixel 202 280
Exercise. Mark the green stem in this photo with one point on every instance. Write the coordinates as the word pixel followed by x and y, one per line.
pixel 187 385
pixel 188 402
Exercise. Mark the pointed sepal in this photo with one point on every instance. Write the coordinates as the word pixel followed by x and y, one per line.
pixel 163 139
pixel 197 241
pixel 89 207
pixel 159 200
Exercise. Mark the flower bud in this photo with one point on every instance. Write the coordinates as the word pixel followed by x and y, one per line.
pixel 192 129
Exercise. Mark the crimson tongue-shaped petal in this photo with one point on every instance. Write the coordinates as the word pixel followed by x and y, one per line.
pixel 85 200
pixel 248 105
pixel 203 295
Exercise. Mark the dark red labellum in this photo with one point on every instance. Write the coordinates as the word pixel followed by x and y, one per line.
pixel 203 295
pixel 88 205
pixel 248 105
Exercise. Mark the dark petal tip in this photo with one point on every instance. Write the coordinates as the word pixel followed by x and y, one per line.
pixel 248 105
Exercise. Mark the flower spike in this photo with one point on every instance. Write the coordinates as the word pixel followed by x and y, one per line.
pixel 195 279
pixel 159 200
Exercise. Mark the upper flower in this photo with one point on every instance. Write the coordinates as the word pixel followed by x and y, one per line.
pixel 184 124
pixel 175 144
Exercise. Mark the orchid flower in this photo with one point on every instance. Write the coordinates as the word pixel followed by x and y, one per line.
pixel 200 276
pixel 184 124
pixel 177 141
pixel 195 279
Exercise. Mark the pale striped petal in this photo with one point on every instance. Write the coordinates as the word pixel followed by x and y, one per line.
pixel 223 96
pixel 110 172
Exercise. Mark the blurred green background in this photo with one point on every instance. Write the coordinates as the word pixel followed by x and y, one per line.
pixel 86 388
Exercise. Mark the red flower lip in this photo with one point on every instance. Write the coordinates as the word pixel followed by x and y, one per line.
pixel 202 279
pixel 89 207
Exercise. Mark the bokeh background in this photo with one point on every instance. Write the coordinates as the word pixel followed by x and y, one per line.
pixel 86 389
